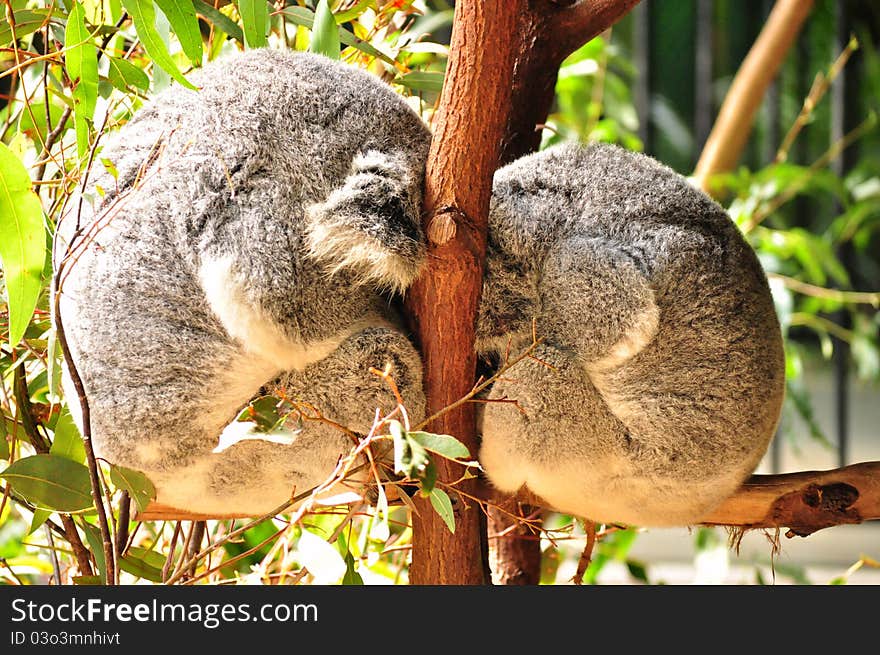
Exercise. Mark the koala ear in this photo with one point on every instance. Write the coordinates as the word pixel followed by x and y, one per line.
pixel 370 225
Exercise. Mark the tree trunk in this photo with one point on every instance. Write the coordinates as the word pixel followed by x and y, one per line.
pixel 442 304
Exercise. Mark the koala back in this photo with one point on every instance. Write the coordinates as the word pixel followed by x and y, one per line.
pixel 649 290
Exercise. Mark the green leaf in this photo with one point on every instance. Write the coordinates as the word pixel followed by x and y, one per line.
pixel 26 22
pixel 427 479
pixel 51 482
pixel 325 34
pixel 182 17
pixel 442 444
pixel 123 73
pixel 422 80
pixel 81 61
pixel 351 576
pixel 443 506
pixel 220 20
pixel 22 242
pixel 96 543
pixel 67 442
pixel 350 14
pixel 305 18
pixel 143 14
pixel 143 563
pixel 255 19
pixel 135 483
pixel 4 444
pixel 88 580
pixel 33 120
pixel 39 518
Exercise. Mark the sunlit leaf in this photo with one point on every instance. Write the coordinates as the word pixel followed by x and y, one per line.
pixel 51 482
pixel 442 444
pixel 325 35
pixel 81 61
pixel 220 20
pixel 67 441
pixel 182 17
pixel 27 21
pixel 39 518
pixel 255 19
pixel 135 483
pixel 422 80
pixel 143 563
pixel 22 242
pixel 321 559
pixel 305 18
pixel 143 15
pixel 123 74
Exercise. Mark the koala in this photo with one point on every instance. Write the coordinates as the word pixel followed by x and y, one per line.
pixel 658 382
pixel 246 234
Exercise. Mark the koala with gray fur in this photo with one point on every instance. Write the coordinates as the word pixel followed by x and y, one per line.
pixel 659 382
pixel 247 232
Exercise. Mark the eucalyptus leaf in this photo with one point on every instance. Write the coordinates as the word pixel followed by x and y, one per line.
pixel 39 518
pixel 255 19
pixel 67 441
pixel 442 444
pixel 220 20
pixel 325 34
pixel 143 563
pixel 183 20
pixel 305 18
pixel 81 61
pixel 22 242
pixel 422 80
pixel 135 483
pixel 51 482
pixel 443 506
pixel 351 576
pixel 143 15
pixel 123 74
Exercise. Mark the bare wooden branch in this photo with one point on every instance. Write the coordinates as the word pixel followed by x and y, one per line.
pixel 734 123
pixel 804 502
pixel 587 19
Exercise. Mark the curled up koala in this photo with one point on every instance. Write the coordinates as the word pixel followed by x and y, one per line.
pixel 659 381
pixel 247 235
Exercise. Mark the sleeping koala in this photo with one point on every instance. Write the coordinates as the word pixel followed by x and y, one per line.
pixel 247 231
pixel 661 373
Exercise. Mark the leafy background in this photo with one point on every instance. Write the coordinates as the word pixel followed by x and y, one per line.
pixel 71 71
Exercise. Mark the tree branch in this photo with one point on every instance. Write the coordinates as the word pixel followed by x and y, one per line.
pixel 734 123
pixel 586 20
pixel 804 502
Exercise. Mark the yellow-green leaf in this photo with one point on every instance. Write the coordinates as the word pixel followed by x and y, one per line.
pixel 220 20
pixel 135 483
pixel 51 482
pixel 182 17
pixel 422 80
pixel 255 19
pixel 81 61
pixel 143 14
pixel 66 441
pixel 325 34
pixel 123 73
pixel 442 444
pixel 143 563
pixel 22 242
pixel 305 18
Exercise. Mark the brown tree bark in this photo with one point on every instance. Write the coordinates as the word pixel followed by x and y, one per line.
pixel 442 304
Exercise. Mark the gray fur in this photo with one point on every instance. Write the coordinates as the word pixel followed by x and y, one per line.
pixel 663 368
pixel 249 232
